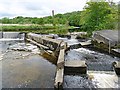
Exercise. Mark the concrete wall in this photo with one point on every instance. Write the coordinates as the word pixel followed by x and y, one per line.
pixel 60 67
pixel 12 35
pixel 53 44
pixel 0 34
pixel 107 37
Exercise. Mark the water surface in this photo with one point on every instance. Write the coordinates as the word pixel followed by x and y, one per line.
pixel 25 69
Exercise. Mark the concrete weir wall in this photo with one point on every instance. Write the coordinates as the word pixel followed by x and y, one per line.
pixel 0 35
pixel 59 47
pixel 60 67
pixel 11 35
pixel 53 44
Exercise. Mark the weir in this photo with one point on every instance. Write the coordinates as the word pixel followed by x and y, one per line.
pixel 12 36
pixel 63 66
pixel 76 67
pixel 52 44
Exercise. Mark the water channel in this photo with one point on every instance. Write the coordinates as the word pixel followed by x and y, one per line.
pixel 100 70
pixel 26 68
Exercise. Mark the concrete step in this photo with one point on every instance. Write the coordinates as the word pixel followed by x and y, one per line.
pixel 86 43
pixel 75 67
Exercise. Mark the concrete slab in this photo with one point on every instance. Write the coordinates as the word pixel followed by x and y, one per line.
pixel 75 63
pixel 107 36
pixel 59 78
pixel 75 67
pixel 86 43
pixel 60 62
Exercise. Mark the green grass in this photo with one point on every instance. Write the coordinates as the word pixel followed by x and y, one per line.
pixel 38 29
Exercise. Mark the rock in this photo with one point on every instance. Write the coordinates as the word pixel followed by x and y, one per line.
pixel 116 66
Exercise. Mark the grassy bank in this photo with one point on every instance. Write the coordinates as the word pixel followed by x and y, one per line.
pixel 38 29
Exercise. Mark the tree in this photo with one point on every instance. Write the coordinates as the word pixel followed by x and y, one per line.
pixel 97 16
pixel 40 21
pixel 5 20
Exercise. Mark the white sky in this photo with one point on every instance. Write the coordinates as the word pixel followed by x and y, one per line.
pixel 39 8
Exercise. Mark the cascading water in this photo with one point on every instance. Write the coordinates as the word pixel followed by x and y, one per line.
pixel 100 70
pixel 12 36
pixel 95 60
pixel 24 69
pixel 101 73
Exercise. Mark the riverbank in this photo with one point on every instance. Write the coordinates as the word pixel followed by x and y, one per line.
pixel 35 28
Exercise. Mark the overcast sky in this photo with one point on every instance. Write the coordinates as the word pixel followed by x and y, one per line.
pixel 38 8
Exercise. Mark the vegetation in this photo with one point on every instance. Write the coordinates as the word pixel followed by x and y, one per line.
pixel 38 29
pixel 95 16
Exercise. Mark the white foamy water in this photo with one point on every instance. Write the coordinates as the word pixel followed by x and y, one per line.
pixel 94 79
pixel 11 39
pixel 104 79
pixel 25 47
pixel 95 60
pixel 1 56
pixel 84 50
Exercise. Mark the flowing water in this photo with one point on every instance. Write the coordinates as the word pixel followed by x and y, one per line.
pixel 100 65
pixel 27 69
pixel 100 70
pixel 95 60
pixel 21 66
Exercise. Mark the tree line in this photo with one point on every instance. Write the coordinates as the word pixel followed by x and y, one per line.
pixel 95 16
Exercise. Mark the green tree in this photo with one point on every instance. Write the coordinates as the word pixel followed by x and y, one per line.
pixel 97 16
pixel 5 20
pixel 40 21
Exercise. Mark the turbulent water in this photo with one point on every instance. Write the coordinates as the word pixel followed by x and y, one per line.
pixel 94 79
pixel 95 60
pixel 100 65
pixel 23 67
pixel 100 72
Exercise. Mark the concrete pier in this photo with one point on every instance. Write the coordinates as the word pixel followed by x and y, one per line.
pixel 75 67
pixel 60 68
pixel 59 79
pixel 60 62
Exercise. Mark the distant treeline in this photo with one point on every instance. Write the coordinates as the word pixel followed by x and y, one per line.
pixel 68 18
pixel 95 16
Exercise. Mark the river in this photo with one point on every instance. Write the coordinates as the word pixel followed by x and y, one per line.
pixel 24 69
pixel 28 69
